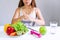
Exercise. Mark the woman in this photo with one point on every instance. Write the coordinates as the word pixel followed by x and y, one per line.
pixel 27 10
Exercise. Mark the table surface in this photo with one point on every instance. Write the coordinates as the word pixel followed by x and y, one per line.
pixel 28 36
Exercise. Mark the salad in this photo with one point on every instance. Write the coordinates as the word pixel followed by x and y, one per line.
pixel 15 29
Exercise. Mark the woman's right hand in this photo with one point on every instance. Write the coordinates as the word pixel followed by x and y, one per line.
pixel 24 16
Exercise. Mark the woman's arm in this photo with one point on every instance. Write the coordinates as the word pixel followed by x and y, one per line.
pixel 40 19
pixel 16 16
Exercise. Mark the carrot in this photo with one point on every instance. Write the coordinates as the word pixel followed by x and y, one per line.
pixel 13 34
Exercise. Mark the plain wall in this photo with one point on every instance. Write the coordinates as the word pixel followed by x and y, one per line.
pixel 50 10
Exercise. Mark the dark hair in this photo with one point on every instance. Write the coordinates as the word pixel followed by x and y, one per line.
pixel 33 4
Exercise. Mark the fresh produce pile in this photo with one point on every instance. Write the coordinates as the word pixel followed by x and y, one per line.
pixel 15 29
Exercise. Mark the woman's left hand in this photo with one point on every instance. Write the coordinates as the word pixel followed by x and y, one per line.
pixel 26 16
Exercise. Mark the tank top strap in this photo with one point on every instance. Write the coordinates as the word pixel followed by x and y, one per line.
pixel 21 12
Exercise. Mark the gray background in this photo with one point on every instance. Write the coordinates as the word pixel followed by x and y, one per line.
pixel 50 10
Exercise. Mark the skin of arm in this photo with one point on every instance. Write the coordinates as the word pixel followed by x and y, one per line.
pixel 16 16
pixel 40 19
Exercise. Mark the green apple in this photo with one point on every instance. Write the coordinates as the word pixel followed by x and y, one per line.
pixel 42 30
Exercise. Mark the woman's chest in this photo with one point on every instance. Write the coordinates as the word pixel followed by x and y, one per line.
pixel 30 12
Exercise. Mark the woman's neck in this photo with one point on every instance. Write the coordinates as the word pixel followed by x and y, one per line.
pixel 29 6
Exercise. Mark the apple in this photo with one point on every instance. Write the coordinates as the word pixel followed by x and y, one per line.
pixel 42 30
pixel 10 30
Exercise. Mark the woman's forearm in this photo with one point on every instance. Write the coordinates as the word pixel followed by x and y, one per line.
pixel 38 21
pixel 16 19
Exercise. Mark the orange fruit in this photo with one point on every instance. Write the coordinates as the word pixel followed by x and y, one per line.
pixel 6 26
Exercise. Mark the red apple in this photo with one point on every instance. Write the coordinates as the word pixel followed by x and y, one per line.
pixel 10 30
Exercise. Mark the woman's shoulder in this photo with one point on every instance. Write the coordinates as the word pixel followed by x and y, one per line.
pixel 36 9
pixel 17 9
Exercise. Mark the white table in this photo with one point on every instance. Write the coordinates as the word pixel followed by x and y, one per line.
pixel 28 36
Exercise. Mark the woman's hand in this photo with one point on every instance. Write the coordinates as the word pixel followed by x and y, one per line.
pixel 27 17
